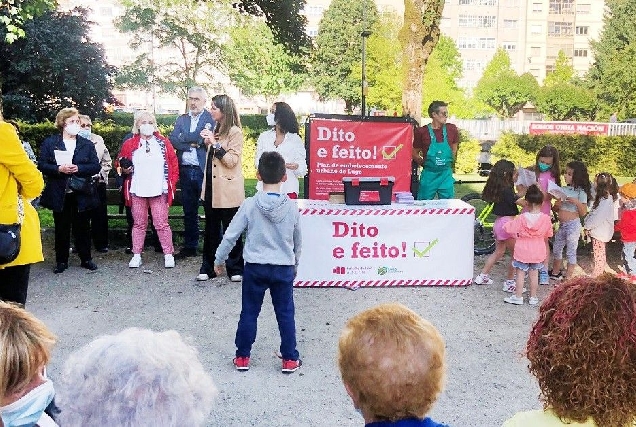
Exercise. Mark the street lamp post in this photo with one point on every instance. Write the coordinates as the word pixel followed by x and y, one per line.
pixel 365 87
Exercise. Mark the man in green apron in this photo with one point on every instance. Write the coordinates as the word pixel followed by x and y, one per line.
pixel 434 148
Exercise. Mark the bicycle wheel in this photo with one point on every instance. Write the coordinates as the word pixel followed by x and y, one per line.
pixel 484 238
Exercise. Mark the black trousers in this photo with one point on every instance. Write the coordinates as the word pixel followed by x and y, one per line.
pixel 99 219
pixel 69 219
pixel 14 282
pixel 216 221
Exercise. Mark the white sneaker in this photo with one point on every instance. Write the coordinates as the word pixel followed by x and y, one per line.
pixel 168 260
pixel 236 278
pixel 135 262
pixel 202 277
pixel 483 279
pixel 533 301
pixel 509 285
pixel 513 299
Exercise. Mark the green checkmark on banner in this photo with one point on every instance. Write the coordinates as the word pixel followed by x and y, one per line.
pixel 421 253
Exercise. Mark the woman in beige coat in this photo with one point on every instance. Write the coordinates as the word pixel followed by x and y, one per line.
pixel 223 186
pixel 19 179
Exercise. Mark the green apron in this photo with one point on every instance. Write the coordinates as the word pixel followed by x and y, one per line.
pixel 437 175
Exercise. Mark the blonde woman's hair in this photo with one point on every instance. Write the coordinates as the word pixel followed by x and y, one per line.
pixel 392 362
pixel 139 115
pixel 25 344
pixel 64 114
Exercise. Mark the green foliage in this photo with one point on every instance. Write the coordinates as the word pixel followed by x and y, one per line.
pixel 502 89
pixel 338 45
pixel 614 154
pixel 563 71
pixel 14 14
pixel 565 101
pixel 259 66
pixel 249 153
pixel 467 154
pixel 611 74
pixel 54 66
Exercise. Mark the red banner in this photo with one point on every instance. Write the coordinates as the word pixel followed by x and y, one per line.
pixel 339 148
pixel 579 128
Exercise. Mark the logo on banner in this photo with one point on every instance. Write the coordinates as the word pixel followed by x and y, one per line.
pixel 339 270
pixel 388 270
pixel 389 152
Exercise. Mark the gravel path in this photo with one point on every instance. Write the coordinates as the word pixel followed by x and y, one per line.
pixel 487 377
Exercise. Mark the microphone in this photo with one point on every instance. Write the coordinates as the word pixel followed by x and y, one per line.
pixel 207 127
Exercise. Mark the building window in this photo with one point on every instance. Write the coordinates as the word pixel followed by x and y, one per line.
pixel 477 21
pixel 535 51
pixel 583 9
pixel 478 2
pixel 314 10
pixel 581 53
pixel 559 29
pixel 510 23
pixel 537 7
pixel 549 69
pixel 582 31
pixel 565 7
pixel 474 64
pixel 536 29
pixel 509 47
pixel 534 72
pixel 476 43
pixel 312 32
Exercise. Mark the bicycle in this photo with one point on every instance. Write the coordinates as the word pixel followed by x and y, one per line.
pixel 484 237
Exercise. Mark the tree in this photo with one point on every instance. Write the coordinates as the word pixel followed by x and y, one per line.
pixel 338 45
pixel 611 75
pixel 15 13
pixel 185 28
pixel 54 66
pixel 419 35
pixel 563 71
pixel 258 65
pixel 502 89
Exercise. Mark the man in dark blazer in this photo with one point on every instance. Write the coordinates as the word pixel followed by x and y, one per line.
pixel 191 152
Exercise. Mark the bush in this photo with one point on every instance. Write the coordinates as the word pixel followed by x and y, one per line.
pixel 467 154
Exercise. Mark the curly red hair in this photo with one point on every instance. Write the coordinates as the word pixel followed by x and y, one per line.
pixel 582 350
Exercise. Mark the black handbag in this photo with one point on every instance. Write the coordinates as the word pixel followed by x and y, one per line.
pixel 10 237
pixel 80 184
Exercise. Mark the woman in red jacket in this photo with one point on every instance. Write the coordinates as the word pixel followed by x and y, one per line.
pixel 151 171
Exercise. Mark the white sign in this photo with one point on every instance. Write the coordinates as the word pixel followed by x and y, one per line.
pixel 430 244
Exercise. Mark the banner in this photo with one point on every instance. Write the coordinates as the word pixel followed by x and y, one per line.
pixel 580 128
pixel 430 244
pixel 342 148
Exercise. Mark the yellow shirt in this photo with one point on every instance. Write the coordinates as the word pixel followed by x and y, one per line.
pixel 17 171
pixel 540 418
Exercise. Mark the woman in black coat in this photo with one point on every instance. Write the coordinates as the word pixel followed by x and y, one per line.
pixel 70 207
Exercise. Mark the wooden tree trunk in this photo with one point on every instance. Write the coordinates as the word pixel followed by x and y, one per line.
pixel 418 37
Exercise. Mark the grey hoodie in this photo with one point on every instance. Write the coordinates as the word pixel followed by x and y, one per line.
pixel 273 236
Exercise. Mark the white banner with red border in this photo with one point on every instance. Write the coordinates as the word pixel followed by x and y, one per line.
pixel 430 244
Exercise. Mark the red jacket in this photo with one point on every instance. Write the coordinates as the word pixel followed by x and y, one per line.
pixel 627 226
pixel 127 150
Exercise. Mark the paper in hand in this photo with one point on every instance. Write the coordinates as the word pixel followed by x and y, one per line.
pixel 556 191
pixel 63 157
pixel 526 177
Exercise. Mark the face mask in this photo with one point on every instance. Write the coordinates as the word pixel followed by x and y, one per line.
pixel 146 129
pixel 544 167
pixel 270 119
pixel 72 129
pixel 27 410
pixel 85 133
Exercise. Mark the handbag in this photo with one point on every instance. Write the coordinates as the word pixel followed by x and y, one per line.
pixel 10 237
pixel 80 184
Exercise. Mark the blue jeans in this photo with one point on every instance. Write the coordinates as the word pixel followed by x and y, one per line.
pixel 628 256
pixel 190 180
pixel 279 279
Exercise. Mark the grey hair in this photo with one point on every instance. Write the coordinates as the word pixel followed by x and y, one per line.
pixel 200 90
pixel 136 378
pixel 140 114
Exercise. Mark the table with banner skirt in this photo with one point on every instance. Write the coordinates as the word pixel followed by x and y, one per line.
pixel 427 244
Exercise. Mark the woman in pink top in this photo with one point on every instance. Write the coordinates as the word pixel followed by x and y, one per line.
pixel 530 229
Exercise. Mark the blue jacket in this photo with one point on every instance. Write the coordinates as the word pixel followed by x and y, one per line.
pixel 181 137
pixel 409 422
pixel 84 156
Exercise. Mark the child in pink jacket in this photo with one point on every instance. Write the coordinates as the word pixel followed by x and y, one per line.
pixel 530 229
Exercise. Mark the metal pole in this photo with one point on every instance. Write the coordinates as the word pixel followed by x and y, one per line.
pixel 365 87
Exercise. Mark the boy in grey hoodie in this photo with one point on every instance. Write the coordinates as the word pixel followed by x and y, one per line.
pixel 271 253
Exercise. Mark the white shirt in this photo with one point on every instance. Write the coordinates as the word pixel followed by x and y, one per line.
pixel 190 157
pixel 148 178
pixel 70 144
pixel 293 151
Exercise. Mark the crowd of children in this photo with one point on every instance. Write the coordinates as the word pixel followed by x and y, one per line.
pixel 594 210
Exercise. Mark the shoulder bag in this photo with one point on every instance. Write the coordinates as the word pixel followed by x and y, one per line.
pixel 10 237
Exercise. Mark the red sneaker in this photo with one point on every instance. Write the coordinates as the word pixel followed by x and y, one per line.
pixel 242 363
pixel 290 366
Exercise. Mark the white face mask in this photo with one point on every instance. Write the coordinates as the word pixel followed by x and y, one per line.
pixel 72 129
pixel 146 129
pixel 270 119
pixel 27 410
